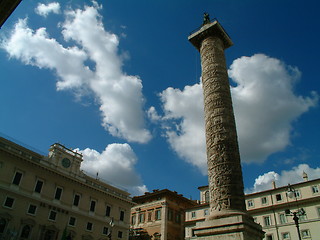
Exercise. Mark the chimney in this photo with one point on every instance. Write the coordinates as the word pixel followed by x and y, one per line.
pixel 273 184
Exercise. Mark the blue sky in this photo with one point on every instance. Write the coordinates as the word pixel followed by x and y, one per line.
pixel 119 81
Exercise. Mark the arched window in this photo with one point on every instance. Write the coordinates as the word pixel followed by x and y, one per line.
pixel 25 232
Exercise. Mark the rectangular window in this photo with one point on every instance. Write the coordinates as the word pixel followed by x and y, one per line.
pixel 305 233
pixel 72 221
pixel 89 226
pixel 286 235
pixel 297 193
pixel 250 203
pixel 8 202
pixel 269 237
pixel 178 217
pixel 38 186
pixel 141 218
pixel 264 200
pixel 32 209
pixel 105 231
pixel 52 215
pixel 193 214
pixel 76 200
pixel 92 205
pixel 206 212
pixel 267 220
pixel 17 178
pixel 133 219
pixel 121 215
pixel 58 193
pixel 283 218
pixel 119 234
pixel 150 216
pixel 278 197
pixel 158 214
pixel 318 211
pixel 170 214
pixel 108 211
pixel 315 189
pixel 303 217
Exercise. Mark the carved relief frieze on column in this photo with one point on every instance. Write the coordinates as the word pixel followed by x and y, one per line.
pixel 224 169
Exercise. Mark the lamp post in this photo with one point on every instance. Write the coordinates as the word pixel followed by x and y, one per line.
pixel 296 214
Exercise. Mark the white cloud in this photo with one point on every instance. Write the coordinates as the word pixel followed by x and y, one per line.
pixel 265 107
pixel 264 182
pixel 183 123
pixel 115 165
pixel 119 95
pixel 44 10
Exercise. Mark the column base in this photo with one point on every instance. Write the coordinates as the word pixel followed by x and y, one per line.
pixel 235 227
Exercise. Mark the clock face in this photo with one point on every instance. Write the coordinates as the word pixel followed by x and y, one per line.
pixel 66 162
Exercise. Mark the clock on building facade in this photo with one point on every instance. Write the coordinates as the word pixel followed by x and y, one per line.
pixel 66 162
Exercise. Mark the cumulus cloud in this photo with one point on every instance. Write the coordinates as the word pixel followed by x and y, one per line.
pixel 183 122
pixel 265 107
pixel 44 10
pixel 115 164
pixel 93 65
pixel 264 182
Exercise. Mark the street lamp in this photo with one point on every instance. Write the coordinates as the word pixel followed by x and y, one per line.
pixel 296 214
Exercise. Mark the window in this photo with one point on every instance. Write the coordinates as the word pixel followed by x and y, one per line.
pixel 72 221
pixel 206 197
pixel 193 214
pixel 303 217
pixel 58 193
pixel 278 197
pixel 141 217
pixel 8 202
pixel 76 200
pixel 105 231
pixel 170 214
pixel 267 220
pixel 305 233
pixel 150 216
pixel 315 189
pixel 25 232
pixel 133 219
pixel 269 237
pixel 297 193
pixel 286 235
pixel 206 212
pixel 318 211
pixel 89 226
pixel 52 215
pixel 32 209
pixel 17 178
pixel 283 218
pixel 264 200
pixel 108 211
pixel 121 215
pixel 178 217
pixel 250 203
pixel 92 205
pixel 119 234
pixel 38 186
pixel 158 214
pixel 3 224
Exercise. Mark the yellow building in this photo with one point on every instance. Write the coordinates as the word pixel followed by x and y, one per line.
pixel 274 209
pixel 49 197
pixel 159 215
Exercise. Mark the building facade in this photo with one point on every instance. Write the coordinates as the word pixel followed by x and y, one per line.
pixel 159 215
pixel 49 197
pixel 270 209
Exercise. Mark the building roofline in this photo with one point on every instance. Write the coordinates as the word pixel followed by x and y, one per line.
pixel 157 192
